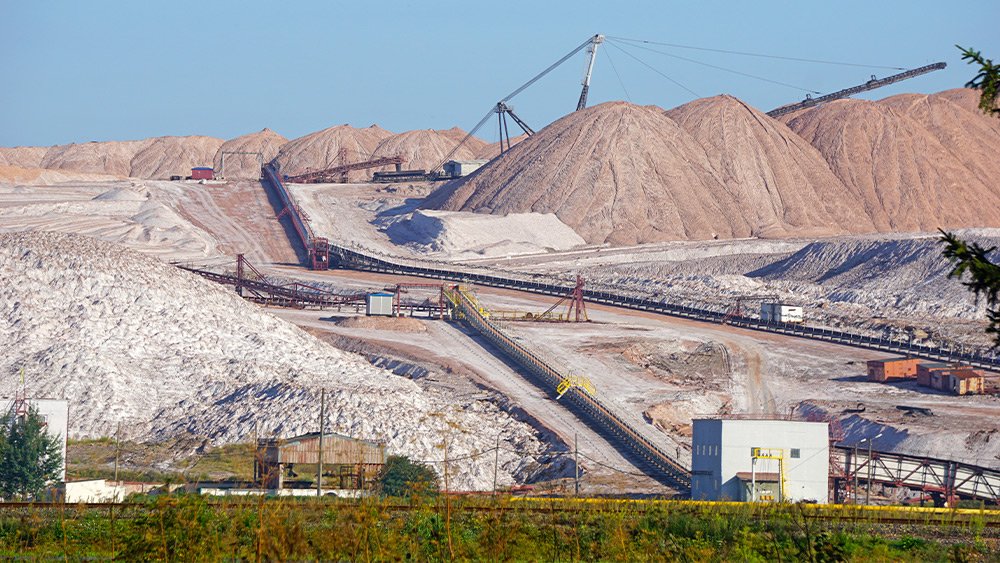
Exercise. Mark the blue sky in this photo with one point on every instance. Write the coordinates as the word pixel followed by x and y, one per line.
pixel 97 70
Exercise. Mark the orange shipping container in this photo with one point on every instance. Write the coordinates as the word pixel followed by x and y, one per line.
pixel 892 368
pixel 925 369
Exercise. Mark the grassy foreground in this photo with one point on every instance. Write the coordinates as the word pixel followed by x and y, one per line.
pixel 193 528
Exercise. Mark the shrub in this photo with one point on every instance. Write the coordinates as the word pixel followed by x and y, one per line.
pixel 402 477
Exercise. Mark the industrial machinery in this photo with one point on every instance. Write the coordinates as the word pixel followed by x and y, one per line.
pixel 736 310
pixel 872 84
pixel 576 309
pixel 502 109
pixel 339 173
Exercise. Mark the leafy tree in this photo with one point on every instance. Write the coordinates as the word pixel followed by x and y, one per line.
pixel 29 458
pixel 984 275
pixel 402 477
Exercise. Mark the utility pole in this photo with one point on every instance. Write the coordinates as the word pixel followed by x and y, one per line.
pixel 319 465
pixel 496 465
pixel 257 477
pixel 576 464
pixel 871 469
pixel 118 449
pixel 855 463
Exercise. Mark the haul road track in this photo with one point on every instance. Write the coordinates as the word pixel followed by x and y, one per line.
pixel 940 476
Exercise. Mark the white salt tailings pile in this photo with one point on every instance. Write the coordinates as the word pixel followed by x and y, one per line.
pixel 126 212
pixel 128 339
pixel 462 235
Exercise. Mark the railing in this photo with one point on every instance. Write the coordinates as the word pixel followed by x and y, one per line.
pixel 347 258
pixel 292 295
pixel 467 308
pixel 949 478
pixel 301 226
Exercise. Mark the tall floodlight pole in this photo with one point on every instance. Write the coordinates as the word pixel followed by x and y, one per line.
pixel 592 51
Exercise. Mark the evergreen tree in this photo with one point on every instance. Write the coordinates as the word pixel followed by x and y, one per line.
pixel 30 459
pixel 984 274
pixel 988 80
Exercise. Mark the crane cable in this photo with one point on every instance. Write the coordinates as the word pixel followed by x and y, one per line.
pixel 614 68
pixel 748 75
pixel 748 54
pixel 652 68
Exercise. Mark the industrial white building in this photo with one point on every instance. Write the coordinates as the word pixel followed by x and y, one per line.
pixel 458 168
pixel 780 313
pixel 760 460
pixel 379 304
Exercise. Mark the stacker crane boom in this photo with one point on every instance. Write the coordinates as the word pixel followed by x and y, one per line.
pixel 501 108
pixel 870 85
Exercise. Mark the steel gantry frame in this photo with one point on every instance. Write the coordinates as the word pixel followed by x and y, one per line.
pixel 946 479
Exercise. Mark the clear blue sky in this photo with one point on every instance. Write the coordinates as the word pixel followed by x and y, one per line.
pixel 77 71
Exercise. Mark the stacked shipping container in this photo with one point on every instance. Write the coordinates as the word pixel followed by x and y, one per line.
pixel 953 378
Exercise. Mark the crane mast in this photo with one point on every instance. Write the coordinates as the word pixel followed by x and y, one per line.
pixel 502 109
pixel 592 51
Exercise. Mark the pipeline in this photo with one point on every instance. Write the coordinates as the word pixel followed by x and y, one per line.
pixel 467 308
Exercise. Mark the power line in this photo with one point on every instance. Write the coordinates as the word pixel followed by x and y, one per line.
pixel 761 55
pixel 652 68
pixel 728 70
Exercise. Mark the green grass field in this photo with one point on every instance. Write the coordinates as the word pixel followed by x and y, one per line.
pixel 440 528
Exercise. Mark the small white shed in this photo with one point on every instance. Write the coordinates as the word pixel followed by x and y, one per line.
pixel 780 313
pixel 379 304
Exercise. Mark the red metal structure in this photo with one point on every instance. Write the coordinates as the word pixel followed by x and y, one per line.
pixel 736 311
pixel 254 286
pixel 576 309
pixel 339 173
pixel 401 288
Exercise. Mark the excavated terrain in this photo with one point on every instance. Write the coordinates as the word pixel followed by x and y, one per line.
pixel 168 355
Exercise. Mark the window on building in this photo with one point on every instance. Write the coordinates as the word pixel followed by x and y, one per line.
pixel 796 454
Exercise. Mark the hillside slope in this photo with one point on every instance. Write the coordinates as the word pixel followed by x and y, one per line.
pixel 129 339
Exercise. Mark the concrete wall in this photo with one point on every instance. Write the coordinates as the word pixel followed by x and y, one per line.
pixel 95 490
pixel 721 449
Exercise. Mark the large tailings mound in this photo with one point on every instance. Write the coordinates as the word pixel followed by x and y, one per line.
pixel 154 158
pixel 908 177
pixel 265 141
pixel 111 157
pixel 615 172
pixel 954 119
pixel 425 148
pixel 780 180
pixel 173 156
pixel 320 150
pixel 23 157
